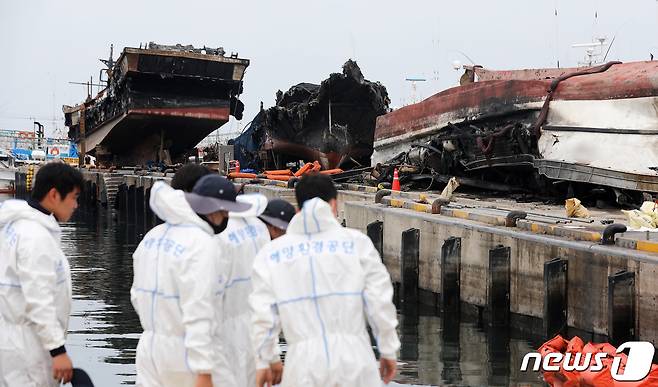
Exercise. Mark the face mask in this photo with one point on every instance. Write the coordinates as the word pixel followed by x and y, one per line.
pixel 217 228
pixel 221 227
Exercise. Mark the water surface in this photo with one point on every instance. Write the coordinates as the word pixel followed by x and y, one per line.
pixel 104 328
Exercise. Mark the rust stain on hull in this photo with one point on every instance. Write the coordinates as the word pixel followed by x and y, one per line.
pixel 220 114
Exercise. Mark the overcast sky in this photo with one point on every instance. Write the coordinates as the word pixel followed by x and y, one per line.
pixel 45 44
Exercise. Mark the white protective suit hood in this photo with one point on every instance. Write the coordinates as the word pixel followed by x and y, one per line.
pixel 35 294
pixel 243 238
pixel 316 216
pixel 170 205
pixel 175 279
pixel 318 284
pixel 12 210
pixel 257 201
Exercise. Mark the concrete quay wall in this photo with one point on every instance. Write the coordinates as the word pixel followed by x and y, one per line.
pixel 590 268
pixel 507 275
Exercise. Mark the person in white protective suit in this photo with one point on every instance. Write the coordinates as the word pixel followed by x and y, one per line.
pixel 317 284
pixel 35 281
pixel 175 281
pixel 240 242
pixel 186 176
pixel 277 216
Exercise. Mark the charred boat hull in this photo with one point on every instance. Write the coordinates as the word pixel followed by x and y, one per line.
pixel 333 123
pixel 599 128
pixel 159 103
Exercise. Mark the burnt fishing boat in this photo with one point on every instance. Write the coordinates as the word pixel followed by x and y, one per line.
pixel 158 103
pixel 548 130
pixel 332 123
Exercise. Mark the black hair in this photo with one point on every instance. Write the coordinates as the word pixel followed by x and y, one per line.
pixel 63 177
pixel 187 176
pixel 315 185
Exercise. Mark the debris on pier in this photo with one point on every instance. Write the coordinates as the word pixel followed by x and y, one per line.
pixel 333 123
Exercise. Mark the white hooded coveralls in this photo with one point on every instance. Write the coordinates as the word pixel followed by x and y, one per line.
pixel 317 283
pixel 175 278
pixel 243 238
pixel 35 295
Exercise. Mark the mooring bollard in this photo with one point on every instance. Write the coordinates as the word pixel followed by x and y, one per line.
pixel 83 198
pixel 450 310
pixel 19 185
pixel 89 194
pixel 410 255
pixel 130 203
pixel 451 253
pixel 375 231
pixel 139 205
pixel 95 188
pixel 149 217
pixel 119 201
pixel 26 189
pixel 498 348
pixel 621 307
pixel 498 294
pixel 451 349
pixel 409 335
pixel 555 296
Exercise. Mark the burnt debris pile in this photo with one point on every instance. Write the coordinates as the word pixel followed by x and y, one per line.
pixel 333 122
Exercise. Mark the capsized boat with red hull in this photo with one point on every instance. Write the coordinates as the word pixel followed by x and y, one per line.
pixel 595 125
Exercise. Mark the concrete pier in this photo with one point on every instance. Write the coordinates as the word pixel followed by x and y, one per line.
pixel 493 258
pixel 537 277
pixel 507 272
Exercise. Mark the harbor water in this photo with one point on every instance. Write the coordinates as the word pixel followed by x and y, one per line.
pixel 104 329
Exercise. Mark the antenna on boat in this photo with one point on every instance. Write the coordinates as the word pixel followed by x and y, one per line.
pixel 593 51
pixel 109 63
pixel 89 85
pixel 465 56
pixel 413 87
pixel 609 47
pixel 557 37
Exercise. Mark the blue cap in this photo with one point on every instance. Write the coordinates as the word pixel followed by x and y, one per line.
pixel 278 213
pixel 214 193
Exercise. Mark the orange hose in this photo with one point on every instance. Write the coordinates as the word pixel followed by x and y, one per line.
pixel 242 175
pixel 316 166
pixel 303 169
pixel 331 171
pixel 284 172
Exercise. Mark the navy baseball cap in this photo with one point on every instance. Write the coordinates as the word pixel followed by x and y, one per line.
pixel 213 193
pixel 278 213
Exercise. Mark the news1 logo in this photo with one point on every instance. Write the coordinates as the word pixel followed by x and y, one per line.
pixel 638 363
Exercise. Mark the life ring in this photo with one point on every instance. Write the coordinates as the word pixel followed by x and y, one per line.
pixel 54 151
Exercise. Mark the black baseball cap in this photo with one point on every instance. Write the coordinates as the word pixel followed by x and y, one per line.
pixel 278 213
pixel 214 193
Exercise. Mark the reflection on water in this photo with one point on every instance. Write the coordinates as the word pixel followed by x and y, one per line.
pixel 446 351
pixel 104 328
